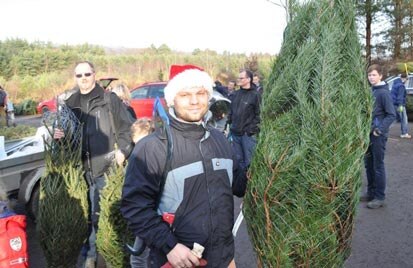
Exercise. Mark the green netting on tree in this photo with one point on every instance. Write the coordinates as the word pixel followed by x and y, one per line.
pixel 113 232
pixel 305 174
pixel 63 206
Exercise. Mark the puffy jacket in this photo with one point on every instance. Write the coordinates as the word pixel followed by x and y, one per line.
pixel 398 92
pixel 199 190
pixel 98 134
pixel 244 115
pixel 383 111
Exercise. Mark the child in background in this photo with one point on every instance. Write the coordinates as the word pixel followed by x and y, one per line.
pixel 141 128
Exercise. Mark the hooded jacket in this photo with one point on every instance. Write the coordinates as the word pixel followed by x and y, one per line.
pixel 98 134
pixel 398 92
pixel 383 110
pixel 198 189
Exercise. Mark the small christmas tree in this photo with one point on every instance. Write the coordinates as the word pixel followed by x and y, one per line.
pixel 63 206
pixel 113 232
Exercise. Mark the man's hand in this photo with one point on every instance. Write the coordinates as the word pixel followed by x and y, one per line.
pixel 181 256
pixel 58 134
pixel 120 157
pixel 400 108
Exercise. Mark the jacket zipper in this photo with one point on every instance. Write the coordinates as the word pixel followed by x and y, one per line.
pixel 209 201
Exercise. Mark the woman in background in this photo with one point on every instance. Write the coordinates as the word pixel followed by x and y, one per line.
pixel 123 93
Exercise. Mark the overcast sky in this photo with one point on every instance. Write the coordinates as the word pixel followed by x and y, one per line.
pixel 237 26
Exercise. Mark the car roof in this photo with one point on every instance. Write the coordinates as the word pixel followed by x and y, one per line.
pixel 149 84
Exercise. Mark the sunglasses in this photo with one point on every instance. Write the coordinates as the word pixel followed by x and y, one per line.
pixel 85 75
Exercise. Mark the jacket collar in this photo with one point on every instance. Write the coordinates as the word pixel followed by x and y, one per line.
pixel 73 96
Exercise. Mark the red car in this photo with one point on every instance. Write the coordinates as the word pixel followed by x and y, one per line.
pixel 143 98
pixel 50 105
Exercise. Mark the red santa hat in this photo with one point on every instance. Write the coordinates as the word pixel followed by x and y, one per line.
pixel 184 77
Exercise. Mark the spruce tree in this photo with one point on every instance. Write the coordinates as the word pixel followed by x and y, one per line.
pixel 306 171
pixel 113 232
pixel 63 206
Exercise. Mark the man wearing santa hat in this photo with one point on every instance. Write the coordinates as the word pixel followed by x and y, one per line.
pixel 196 190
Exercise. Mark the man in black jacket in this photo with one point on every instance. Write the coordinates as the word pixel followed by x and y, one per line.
pixel 100 133
pixel 198 186
pixel 383 116
pixel 244 118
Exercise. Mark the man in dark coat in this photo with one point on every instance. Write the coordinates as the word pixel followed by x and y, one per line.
pixel 95 109
pixel 198 185
pixel 244 118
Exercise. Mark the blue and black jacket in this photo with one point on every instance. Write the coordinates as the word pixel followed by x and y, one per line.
pixel 199 190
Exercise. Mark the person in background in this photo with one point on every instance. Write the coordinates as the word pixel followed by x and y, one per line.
pixel 199 178
pixel 398 94
pixel 231 89
pixel 256 80
pixel 140 128
pixel 10 113
pixel 94 110
pixel 3 107
pixel 244 118
pixel 383 116
pixel 220 88
pixel 123 93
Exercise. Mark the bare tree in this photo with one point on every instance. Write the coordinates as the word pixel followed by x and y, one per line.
pixel 288 5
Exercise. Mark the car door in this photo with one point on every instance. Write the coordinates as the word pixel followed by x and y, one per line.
pixel 154 92
pixel 139 99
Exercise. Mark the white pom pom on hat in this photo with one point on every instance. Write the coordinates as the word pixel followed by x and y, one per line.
pixel 184 77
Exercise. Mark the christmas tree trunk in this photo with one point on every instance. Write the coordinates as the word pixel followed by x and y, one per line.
pixel 113 232
pixel 63 206
pixel 306 171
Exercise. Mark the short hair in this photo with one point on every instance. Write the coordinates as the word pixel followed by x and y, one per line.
pixel 122 91
pixel 249 74
pixel 375 67
pixel 403 75
pixel 87 62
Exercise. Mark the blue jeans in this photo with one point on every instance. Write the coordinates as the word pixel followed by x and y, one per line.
pixel 95 186
pixel 375 171
pixel 402 116
pixel 244 147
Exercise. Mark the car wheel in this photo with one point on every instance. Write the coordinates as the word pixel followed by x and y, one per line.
pixel 45 110
pixel 32 206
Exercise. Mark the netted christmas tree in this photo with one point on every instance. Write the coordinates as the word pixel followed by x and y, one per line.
pixel 306 172
pixel 63 206
pixel 113 232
